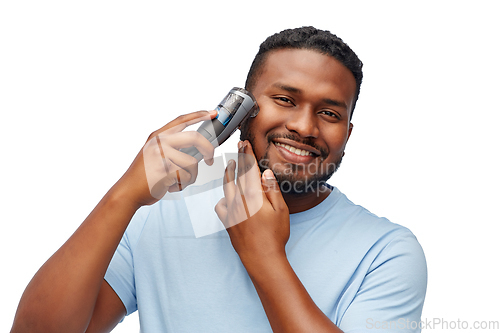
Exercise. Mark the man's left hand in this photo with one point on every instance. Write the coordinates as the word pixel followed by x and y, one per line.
pixel 253 210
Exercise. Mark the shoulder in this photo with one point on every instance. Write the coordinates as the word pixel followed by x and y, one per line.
pixel 392 268
pixel 379 244
pixel 359 223
pixel 396 255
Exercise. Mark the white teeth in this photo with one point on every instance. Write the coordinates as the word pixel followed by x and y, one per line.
pixel 294 150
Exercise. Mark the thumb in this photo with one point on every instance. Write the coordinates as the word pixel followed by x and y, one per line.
pixel 272 189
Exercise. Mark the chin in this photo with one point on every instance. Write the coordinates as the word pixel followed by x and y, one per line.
pixel 294 184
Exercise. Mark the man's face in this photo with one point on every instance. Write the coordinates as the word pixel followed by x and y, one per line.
pixel 303 125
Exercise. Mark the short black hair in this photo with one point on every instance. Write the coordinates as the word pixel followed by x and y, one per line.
pixel 307 38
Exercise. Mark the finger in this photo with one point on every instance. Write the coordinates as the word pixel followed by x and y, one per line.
pixel 241 158
pixel 190 139
pixel 248 180
pixel 221 210
pixel 183 121
pixel 272 190
pixel 172 182
pixel 180 161
pixel 178 180
pixel 243 200
pixel 229 187
pixel 248 171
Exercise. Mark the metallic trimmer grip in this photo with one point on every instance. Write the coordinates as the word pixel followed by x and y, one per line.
pixel 236 107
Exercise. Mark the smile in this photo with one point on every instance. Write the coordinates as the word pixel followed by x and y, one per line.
pixel 296 151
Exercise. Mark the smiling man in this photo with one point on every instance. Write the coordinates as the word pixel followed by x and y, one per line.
pixel 318 262
pixel 306 98
pixel 296 255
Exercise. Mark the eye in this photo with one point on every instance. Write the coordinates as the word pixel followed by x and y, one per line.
pixel 284 101
pixel 330 114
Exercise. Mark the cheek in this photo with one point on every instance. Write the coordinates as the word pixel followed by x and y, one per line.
pixel 268 109
pixel 336 140
pixel 265 122
pixel 254 133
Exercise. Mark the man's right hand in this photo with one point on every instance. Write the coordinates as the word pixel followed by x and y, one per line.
pixel 160 167
pixel 68 293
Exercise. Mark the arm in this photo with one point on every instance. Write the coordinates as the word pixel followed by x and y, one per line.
pixel 108 310
pixel 62 294
pixel 288 306
pixel 68 291
pixel 258 225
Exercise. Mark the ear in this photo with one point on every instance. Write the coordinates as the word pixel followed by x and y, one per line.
pixel 351 125
pixel 348 136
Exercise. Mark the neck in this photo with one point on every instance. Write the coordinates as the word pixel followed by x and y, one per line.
pixel 301 202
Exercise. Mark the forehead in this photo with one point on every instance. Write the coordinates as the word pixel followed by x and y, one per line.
pixel 309 71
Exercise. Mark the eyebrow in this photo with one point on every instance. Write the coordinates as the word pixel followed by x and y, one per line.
pixel 328 101
pixel 287 88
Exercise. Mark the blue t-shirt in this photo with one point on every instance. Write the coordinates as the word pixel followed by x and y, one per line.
pixel 362 271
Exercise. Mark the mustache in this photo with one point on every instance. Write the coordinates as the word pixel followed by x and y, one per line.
pixel 305 141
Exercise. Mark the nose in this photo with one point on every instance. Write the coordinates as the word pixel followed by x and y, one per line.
pixel 304 123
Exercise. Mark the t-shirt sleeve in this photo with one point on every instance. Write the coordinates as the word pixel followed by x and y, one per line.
pixel 391 296
pixel 120 273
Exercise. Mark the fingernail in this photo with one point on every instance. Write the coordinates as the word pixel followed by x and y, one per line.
pixel 268 174
pixel 230 163
pixel 241 146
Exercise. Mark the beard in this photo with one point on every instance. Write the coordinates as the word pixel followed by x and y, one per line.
pixel 292 179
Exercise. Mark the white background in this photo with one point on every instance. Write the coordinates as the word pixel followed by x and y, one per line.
pixel 82 84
